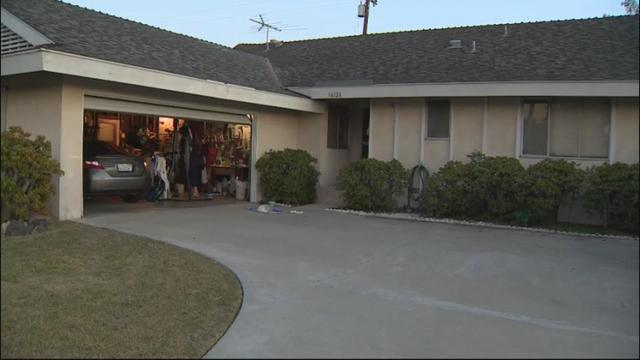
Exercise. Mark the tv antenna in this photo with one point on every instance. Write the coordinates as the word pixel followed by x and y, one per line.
pixel 264 25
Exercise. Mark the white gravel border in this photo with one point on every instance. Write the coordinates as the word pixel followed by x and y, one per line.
pixel 413 217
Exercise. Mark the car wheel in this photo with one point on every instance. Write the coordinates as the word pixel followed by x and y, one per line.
pixel 131 198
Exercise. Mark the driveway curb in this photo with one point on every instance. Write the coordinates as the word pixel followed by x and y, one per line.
pixel 411 217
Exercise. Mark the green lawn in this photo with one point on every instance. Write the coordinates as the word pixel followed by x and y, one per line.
pixel 81 291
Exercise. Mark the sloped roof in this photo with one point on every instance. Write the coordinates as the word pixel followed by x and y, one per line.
pixel 589 49
pixel 81 31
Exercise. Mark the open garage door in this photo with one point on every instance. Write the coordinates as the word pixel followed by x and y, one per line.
pixel 204 155
pixel 125 106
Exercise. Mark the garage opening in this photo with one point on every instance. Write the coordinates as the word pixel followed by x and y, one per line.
pixel 131 157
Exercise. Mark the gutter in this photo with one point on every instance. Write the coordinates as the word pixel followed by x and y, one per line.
pixel 82 66
pixel 607 88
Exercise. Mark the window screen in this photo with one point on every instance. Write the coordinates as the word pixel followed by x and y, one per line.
pixel 438 119
pixel 574 128
pixel 594 129
pixel 535 116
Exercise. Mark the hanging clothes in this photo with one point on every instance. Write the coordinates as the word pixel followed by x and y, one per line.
pixel 186 138
pixel 160 170
pixel 212 154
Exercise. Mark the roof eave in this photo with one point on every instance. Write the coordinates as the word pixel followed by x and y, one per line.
pixel 600 88
pixel 76 65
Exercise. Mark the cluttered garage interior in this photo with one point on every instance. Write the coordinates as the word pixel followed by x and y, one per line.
pixel 135 157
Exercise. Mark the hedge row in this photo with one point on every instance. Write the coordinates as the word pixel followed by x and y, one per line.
pixel 499 189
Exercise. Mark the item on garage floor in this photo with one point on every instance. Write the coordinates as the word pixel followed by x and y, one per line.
pixel 265 209
pixel 180 189
pixel 241 189
pixel 156 190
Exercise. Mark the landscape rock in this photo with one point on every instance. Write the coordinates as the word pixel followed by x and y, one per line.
pixel 17 228
pixel 37 224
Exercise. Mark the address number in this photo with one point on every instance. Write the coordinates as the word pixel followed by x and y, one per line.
pixel 335 94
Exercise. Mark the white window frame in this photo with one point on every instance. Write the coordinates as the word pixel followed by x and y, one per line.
pixel 549 120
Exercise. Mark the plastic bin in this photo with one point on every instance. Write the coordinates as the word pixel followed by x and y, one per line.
pixel 241 189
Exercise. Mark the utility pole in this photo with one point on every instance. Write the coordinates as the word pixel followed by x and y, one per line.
pixel 363 12
pixel 264 25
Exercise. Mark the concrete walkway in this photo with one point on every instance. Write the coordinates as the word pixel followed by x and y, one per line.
pixel 323 284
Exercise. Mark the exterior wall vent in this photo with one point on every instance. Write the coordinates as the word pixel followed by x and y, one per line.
pixel 455 44
pixel 12 42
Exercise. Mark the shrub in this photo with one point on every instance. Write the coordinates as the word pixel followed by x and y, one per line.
pixel 288 176
pixel 551 182
pixel 486 188
pixel 371 185
pixel 26 171
pixel 612 191
pixel 445 194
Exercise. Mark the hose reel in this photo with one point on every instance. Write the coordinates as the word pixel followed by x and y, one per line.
pixel 417 184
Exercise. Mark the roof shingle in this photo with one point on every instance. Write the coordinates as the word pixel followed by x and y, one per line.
pixel 90 33
pixel 589 49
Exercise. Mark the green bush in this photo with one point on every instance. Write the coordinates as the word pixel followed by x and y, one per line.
pixel 26 170
pixel 485 188
pixel 612 191
pixel 446 192
pixel 551 182
pixel 288 176
pixel 371 185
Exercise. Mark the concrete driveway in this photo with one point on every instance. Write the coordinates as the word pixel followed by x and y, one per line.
pixel 324 284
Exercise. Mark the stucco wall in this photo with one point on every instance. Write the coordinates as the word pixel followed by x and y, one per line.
pixel 34 103
pixel 502 116
pixel 408 136
pixel 466 127
pixel 273 131
pixel 381 130
pixel 436 154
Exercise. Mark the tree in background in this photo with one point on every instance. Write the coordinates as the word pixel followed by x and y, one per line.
pixel 630 6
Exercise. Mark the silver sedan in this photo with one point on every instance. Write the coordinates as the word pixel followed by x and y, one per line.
pixel 109 170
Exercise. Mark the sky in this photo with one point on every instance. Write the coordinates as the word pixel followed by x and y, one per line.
pixel 227 22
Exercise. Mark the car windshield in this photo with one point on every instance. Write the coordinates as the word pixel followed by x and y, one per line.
pixel 98 148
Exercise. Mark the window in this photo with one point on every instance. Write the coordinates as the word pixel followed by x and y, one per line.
pixel 338 129
pixel 535 116
pixel 438 119
pixel 566 128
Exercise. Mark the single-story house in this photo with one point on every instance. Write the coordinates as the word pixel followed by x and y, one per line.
pixel 562 89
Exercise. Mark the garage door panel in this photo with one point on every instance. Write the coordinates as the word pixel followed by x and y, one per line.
pixel 124 106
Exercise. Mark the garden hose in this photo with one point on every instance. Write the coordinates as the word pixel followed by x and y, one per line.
pixel 417 184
